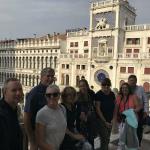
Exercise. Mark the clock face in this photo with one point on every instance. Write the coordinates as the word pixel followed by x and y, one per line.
pixel 100 75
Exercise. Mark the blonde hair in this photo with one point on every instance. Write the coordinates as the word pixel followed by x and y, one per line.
pixel 65 92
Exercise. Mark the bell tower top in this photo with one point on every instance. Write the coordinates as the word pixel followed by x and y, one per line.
pixel 112 14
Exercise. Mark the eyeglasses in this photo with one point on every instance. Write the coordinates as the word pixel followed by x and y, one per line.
pixel 49 95
pixel 105 84
pixel 50 76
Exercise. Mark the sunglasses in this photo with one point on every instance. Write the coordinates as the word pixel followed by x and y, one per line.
pixel 105 84
pixel 50 76
pixel 49 95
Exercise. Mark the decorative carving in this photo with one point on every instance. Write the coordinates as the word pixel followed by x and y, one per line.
pixel 102 44
pixel 102 24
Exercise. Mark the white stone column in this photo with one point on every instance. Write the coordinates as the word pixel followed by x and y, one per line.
pixel 91 20
pixel 117 9
pixel 116 47
pixel 73 73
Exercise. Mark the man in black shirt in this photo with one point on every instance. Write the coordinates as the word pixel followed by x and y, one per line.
pixel 105 104
pixel 11 137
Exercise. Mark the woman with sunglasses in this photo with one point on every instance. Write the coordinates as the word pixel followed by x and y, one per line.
pixel 72 137
pixel 50 121
pixel 105 104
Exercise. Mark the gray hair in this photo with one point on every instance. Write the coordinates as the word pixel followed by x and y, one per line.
pixel 47 70
pixel 53 86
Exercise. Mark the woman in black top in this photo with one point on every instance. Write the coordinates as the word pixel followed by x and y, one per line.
pixel 85 106
pixel 72 137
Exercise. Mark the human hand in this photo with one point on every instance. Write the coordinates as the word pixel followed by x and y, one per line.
pixel 79 137
pixel 108 125
pixel 83 116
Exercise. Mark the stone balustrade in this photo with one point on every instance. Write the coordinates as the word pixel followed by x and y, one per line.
pixel 134 55
pixel 137 27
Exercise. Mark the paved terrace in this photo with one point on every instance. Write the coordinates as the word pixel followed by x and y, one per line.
pixel 145 142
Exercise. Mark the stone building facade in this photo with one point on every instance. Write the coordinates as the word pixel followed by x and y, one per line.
pixel 113 46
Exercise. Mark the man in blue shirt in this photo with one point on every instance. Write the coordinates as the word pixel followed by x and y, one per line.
pixel 35 100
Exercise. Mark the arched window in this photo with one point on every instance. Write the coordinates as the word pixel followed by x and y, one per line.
pixel 38 62
pixel 23 62
pixel 16 62
pixel 19 62
pixel 37 80
pixel 26 62
pixel 46 62
pixel 77 80
pixel 26 80
pixel 22 79
pixel 33 62
pixel 10 62
pixel 51 61
pixel 30 61
pixel 42 62
pixel 67 79
pixel 62 79
pixel 13 64
pixel 33 80
pixel 55 62
pixel 29 80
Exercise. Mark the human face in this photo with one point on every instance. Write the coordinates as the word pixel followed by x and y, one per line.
pixel 105 88
pixel 48 78
pixel 52 96
pixel 83 87
pixel 132 82
pixel 70 97
pixel 13 93
pixel 125 89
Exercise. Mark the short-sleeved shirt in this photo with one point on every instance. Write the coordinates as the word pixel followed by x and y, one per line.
pixel 107 104
pixel 55 125
pixel 35 100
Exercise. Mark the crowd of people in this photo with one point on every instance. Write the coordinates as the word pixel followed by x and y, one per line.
pixel 70 119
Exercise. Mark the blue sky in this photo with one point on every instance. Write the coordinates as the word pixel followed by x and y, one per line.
pixel 24 18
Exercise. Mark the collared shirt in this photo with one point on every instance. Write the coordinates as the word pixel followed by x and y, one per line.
pixel 139 91
pixel 11 137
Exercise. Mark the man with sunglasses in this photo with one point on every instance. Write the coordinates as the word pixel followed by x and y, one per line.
pixel 35 100
pixel 105 104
